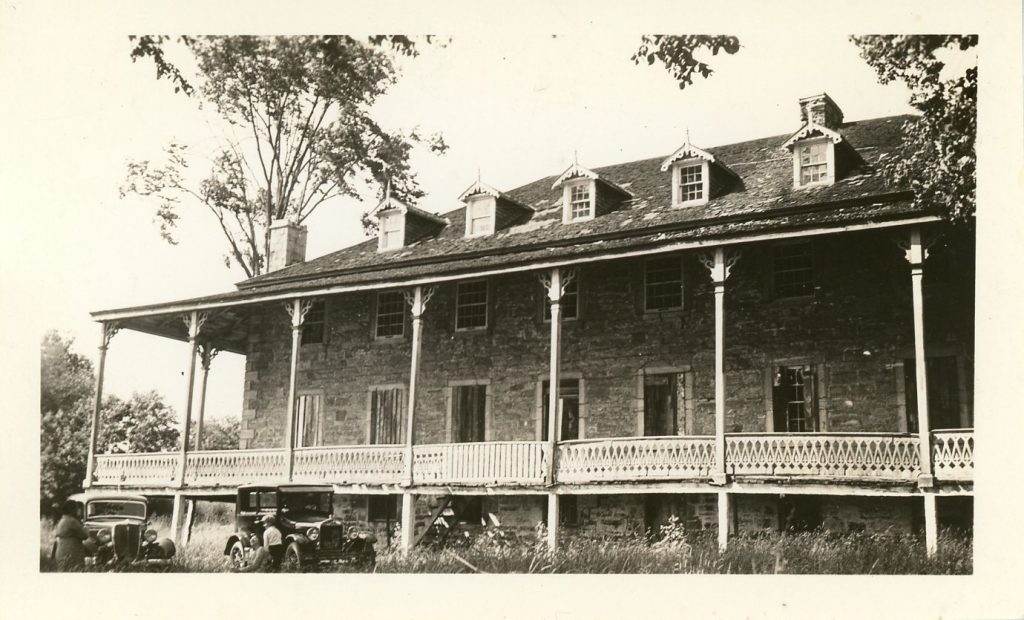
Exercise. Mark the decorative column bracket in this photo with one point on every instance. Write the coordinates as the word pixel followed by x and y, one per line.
pixel 196 325
pixel 109 331
pixel 418 307
pixel 297 311
pixel 720 263
pixel 567 276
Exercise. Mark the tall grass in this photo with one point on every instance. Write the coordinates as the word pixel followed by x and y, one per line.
pixel 677 551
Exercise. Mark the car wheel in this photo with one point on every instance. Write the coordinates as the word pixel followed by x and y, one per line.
pixel 292 562
pixel 239 558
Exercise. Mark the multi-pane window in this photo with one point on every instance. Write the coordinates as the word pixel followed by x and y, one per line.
pixel 308 420
pixel 813 163
pixel 793 402
pixel 386 415
pixel 569 394
pixel 469 412
pixel 391 232
pixel 480 217
pixel 793 270
pixel 313 323
pixel 471 305
pixel 663 283
pixel 570 302
pixel 579 201
pixel 390 314
pixel 691 183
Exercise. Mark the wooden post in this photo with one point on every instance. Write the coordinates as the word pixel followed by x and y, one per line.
pixel 206 355
pixel 190 517
pixel 297 309
pixel 194 322
pixel 107 331
pixel 408 521
pixel 418 303
pixel 931 526
pixel 719 265
pixel 916 255
pixel 176 520
pixel 554 286
pixel 723 520
pixel 553 517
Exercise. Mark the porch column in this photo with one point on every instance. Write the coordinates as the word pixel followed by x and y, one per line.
pixel 417 301
pixel 176 519
pixel 916 253
pixel 931 525
pixel 553 518
pixel 107 331
pixel 723 520
pixel 719 265
pixel 206 355
pixel 297 309
pixel 193 322
pixel 408 521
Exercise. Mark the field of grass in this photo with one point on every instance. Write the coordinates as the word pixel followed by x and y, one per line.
pixel 677 552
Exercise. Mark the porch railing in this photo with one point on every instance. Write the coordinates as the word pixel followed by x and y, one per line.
pixel 492 462
pixel 890 456
pixel 376 464
pixel 234 467
pixel 635 459
pixel 953 454
pixel 155 468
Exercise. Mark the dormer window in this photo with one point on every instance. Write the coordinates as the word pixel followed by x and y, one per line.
pixel 489 210
pixel 696 175
pixel 399 225
pixel 480 216
pixel 392 230
pixel 586 195
pixel 813 163
pixel 581 203
pixel 820 154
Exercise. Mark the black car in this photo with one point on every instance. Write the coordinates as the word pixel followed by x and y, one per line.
pixel 121 533
pixel 305 516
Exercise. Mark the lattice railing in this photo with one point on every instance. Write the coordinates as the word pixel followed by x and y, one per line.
pixel 234 467
pixel 953 454
pixel 635 459
pixel 890 456
pixel 377 464
pixel 155 468
pixel 492 462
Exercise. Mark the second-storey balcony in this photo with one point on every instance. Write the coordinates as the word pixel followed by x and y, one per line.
pixel 841 458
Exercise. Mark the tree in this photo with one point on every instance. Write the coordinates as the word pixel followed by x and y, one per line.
pixel 143 424
pixel 218 434
pixel 937 157
pixel 678 53
pixel 304 105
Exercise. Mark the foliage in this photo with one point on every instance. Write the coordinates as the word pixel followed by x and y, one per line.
pixel 678 53
pixel 218 433
pixel 304 105
pixel 937 157
pixel 143 424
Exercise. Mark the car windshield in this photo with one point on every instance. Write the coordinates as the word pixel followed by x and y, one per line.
pixel 115 508
pixel 306 503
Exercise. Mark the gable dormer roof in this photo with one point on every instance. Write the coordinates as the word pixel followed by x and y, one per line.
pixel 390 202
pixel 811 129
pixel 687 151
pixel 577 171
pixel 479 188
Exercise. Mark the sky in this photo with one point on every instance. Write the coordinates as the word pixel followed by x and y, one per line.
pixel 514 108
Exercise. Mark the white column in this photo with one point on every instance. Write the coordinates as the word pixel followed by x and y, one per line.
pixel 176 520
pixel 297 309
pixel 931 526
pixel 418 303
pixel 719 265
pixel 207 353
pixel 554 286
pixel 194 322
pixel 408 521
pixel 916 255
pixel 553 517
pixel 107 331
pixel 723 520
pixel 190 517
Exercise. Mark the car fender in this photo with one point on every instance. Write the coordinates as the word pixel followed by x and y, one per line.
pixel 236 537
pixel 299 539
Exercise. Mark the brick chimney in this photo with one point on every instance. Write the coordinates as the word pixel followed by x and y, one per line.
pixel 287 244
pixel 821 110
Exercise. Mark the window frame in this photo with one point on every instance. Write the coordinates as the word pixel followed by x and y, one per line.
pixel 677 177
pixel 382 220
pixel 541 402
pixel 376 316
pixel 478 201
pixel 450 387
pixel 567 217
pixel 486 304
pixel 682 284
pixel 402 410
pixel 318 440
pixel 830 162
pixel 812 270
pixel 307 322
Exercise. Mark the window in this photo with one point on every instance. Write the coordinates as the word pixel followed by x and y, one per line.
pixel 691 183
pixel 390 314
pixel 793 270
pixel 570 303
pixel 308 421
pixel 813 161
pixel 392 230
pixel 660 405
pixel 313 323
pixel 569 392
pixel 469 413
pixel 386 415
pixel 480 217
pixel 579 202
pixel 381 507
pixel 663 285
pixel 471 305
pixel 793 401
pixel 943 393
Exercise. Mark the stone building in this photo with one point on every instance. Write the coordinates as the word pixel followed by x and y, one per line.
pixel 746 337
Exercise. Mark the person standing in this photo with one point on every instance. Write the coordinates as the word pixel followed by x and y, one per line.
pixel 69 548
pixel 273 541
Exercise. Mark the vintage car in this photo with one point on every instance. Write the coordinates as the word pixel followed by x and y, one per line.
pixel 305 516
pixel 121 535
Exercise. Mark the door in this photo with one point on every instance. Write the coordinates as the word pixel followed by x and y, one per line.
pixel 469 413
pixel 660 405
pixel 569 392
pixel 793 401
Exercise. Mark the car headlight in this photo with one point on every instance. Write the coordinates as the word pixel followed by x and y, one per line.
pixel 151 535
pixel 103 536
pixel 313 534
